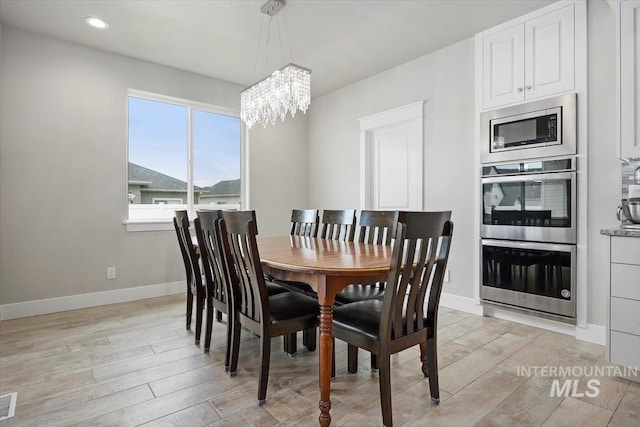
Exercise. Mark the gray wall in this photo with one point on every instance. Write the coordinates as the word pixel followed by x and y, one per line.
pixel 62 168
pixel 445 79
pixel 278 173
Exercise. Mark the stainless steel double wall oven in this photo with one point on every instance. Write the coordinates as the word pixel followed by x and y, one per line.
pixel 528 213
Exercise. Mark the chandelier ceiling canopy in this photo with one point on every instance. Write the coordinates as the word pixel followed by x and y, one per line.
pixel 285 91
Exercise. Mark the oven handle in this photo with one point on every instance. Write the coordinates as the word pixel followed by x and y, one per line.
pixel 556 247
pixel 529 177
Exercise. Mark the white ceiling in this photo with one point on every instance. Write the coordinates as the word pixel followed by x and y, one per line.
pixel 340 41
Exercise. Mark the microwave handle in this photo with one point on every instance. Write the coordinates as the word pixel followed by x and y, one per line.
pixel 526 178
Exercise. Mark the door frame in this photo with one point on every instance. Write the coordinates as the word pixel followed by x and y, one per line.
pixel 410 114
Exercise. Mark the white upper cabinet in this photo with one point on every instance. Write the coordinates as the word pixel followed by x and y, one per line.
pixel 503 67
pixel 529 60
pixel 629 78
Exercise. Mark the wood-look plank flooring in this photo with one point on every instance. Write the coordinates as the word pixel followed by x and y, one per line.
pixel 135 364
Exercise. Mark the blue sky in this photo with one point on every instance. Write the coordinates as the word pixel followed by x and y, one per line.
pixel 158 141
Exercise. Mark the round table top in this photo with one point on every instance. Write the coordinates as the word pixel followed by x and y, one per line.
pixel 322 256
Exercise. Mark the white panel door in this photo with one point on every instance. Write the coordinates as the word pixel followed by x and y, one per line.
pixel 629 79
pixel 503 67
pixel 396 168
pixel 549 53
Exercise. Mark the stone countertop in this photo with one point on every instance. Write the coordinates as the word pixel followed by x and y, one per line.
pixel 621 232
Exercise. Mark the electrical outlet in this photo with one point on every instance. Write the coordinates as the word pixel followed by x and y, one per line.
pixel 111 272
pixel 447 275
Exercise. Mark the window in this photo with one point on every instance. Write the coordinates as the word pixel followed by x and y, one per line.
pixel 182 155
pixel 167 201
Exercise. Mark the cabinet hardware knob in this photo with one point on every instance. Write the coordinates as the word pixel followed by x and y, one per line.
pixel 519 89
pixel 528 87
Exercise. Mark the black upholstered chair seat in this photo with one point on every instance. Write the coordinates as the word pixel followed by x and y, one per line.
pixel 354 293
pixel 290 305
pixel 294 286
pixel 362 317
pixel 275 289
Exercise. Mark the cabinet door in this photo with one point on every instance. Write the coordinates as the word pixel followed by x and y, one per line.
pixel 550 53
pixel 503 67
pixel 629 78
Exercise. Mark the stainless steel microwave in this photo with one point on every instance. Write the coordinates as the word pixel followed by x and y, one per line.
pixel 544 128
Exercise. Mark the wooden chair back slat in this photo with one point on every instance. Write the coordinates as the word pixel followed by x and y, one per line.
pixel 338 225
pixel 304 222
pixel 377 227
pixel 213 262
pixel 240 228
pixel 420 255
pixel 179 225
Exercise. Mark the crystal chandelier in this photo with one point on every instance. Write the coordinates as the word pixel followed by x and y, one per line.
pixel 287 90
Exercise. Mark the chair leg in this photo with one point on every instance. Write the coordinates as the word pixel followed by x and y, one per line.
pixel 423 359
pixel 374 363
pixel 333 359
pixel 309 339
pixel 265 354
pixel 227 355
pixel 189 307
pixel 352 358
pixel 290 344
pixel 235 345
pixel 432 362
pixel 218 315
pixel 209 328
pixel 199 309
pixel 384 376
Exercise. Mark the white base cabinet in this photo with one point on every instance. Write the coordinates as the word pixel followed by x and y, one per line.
pixel 623 344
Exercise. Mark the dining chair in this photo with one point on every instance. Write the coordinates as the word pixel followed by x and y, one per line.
pixel 264 315
pixel 338 224
pixel 214 276
pixel 195 288
pixel 379 228
pixel 304 222
pixel 399 321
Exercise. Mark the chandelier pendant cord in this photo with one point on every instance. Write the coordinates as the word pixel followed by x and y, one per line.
pixel 280 40
pixel 286 31
pixel 255 63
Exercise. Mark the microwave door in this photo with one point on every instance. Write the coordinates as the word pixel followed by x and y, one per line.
pixel 522 131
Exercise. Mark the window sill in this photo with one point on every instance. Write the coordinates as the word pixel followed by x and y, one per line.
pixel 149 225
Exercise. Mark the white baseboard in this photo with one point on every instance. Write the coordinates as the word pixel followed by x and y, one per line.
pixel 74 302
pixel 456 302
pixel 595 334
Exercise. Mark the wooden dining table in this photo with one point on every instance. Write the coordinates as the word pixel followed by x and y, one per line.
pixel 328 266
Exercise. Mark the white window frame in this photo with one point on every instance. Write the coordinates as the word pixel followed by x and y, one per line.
pixel 166 224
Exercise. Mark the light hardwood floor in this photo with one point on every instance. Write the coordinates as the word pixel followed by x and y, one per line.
pixel 134 364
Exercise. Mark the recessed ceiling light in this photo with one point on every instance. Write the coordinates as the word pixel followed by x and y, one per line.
pixel 96 22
